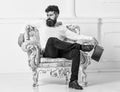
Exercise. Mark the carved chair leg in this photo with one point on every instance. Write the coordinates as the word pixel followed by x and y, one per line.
pixel 83 76
pixel 67 77
pixel 67 74
pixel 35 78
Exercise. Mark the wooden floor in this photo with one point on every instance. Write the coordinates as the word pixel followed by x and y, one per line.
pixel 22 82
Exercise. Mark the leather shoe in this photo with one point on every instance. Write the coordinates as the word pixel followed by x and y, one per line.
pixel 74 84
pixel 87 48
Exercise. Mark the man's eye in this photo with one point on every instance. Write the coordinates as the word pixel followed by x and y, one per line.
pixel 50 15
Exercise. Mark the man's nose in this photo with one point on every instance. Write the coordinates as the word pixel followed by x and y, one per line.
pixel 49 17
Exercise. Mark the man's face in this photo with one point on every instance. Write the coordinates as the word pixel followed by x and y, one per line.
pixel 51 18
pixel 51 15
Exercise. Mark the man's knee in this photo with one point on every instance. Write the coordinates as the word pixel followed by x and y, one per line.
pixel 75 53
pixel 52 39
pixel 77 46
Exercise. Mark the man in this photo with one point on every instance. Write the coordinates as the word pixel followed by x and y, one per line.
pixel 52 41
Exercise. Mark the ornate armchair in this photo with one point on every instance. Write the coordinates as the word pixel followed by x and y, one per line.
pixel 57 67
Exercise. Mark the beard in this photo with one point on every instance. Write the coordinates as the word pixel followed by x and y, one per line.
pixel 51 22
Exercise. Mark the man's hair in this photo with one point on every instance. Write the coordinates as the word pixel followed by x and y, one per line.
pixel 52 8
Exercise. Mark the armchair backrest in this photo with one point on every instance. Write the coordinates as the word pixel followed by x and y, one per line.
pixel 21 39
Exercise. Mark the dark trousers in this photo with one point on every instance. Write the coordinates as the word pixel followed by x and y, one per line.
pixel 56 48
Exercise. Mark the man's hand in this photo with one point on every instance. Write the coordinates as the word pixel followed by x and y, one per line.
pixel 87 48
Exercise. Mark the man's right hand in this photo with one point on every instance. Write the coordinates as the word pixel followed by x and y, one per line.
pixel 87 48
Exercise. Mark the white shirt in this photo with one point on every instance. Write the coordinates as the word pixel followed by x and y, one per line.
pixel 60 32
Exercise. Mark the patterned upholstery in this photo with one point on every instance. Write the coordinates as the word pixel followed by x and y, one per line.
pixel 58 67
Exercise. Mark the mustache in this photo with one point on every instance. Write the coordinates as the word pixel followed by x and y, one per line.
pixel 49 19
pixel 51 22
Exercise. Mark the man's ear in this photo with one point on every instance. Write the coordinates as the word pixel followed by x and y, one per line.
pixel 56 15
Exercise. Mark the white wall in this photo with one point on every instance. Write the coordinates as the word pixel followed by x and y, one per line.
pixel 32 8
pixel 97 8
pixel 14 14
pixel 83 8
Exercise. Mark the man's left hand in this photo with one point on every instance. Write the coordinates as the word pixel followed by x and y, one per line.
pixel 94 41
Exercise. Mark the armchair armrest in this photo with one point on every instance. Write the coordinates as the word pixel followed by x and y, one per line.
pixel 34 55
pixel 21 39
pixel 31 46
